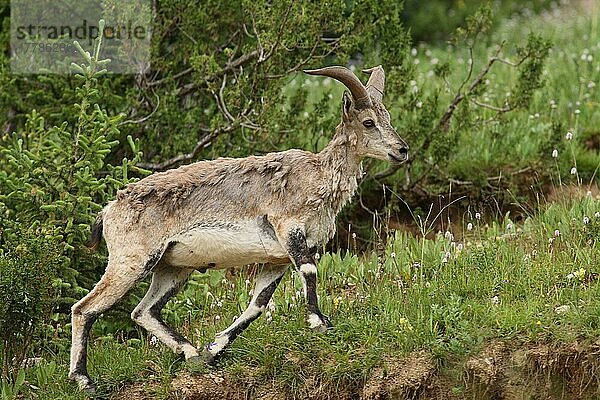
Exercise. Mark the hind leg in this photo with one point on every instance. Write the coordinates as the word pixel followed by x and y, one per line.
pixel 166 282
pixel 119 278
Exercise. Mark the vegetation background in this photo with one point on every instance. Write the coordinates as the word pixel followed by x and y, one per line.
pixel 474 267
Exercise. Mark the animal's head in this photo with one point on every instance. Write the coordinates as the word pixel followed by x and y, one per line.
pixel 364 115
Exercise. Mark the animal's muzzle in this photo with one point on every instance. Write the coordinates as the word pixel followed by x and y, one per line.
pixel 399 156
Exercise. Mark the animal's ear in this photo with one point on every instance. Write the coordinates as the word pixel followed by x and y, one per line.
pixel 347 104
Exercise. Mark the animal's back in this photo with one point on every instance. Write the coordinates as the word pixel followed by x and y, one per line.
pixel 209 193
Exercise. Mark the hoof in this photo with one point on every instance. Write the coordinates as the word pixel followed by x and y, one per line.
pixel 322 328
pixel 324 325
pixel 204 358
pixel 84 382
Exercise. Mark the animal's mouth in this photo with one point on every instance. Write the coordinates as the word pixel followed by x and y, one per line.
pixel 398 159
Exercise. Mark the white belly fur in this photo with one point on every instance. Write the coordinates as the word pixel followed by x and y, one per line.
pixel 224 246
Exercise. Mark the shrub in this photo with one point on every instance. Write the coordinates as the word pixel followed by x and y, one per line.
pixel 28 294
pixel 55 179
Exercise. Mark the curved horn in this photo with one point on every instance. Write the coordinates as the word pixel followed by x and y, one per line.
pixel 351 81
pixel 376 82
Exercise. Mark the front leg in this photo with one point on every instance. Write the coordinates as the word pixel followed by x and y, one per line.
pixel 304 262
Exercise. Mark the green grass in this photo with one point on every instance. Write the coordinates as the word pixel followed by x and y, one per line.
pixel 447 295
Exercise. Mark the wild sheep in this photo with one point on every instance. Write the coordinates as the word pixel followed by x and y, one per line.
pixel 270 210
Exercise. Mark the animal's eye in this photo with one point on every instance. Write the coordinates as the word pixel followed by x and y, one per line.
pixel 368 123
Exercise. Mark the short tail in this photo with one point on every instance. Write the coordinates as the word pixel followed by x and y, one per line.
pixel 94 242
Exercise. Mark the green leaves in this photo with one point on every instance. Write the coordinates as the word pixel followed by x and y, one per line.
pixel 56 179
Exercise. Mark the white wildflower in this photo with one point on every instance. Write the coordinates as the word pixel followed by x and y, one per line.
pixel 569 135
pixel 586 220
pixel 469 226
pixel 554 153
pixel 573 171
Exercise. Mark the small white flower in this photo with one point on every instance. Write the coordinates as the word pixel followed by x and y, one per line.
pixel 448 235
pixel 556 233
pixel 217 317
pixel 469 226
pixel 427 285
pixel 459 247
pixel 586 220
pixel 554 153
pixel 419 104
pixel 317 256
pixel 477 216
pixel 495 300
pixel 509 226
pixel 573 171
pixel 268 316
pixel 597 214
pixel 588 193
pixel 569 135
pixel 413 52
pixel 353 235
pixel 153 341
pixel 577 111
pixel 393 254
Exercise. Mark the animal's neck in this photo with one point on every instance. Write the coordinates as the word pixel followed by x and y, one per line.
pixel 343 168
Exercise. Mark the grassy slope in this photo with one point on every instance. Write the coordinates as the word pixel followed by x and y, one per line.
pixel 523 284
